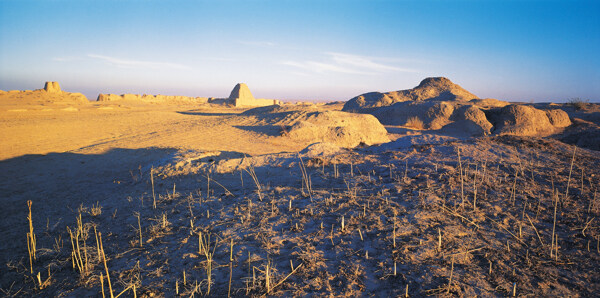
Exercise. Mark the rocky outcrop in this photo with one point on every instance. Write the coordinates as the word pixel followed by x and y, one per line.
pixel 52 87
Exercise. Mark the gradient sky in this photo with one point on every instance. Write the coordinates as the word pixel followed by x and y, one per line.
pixel 312 50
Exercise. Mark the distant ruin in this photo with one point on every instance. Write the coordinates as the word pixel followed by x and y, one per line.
pixel 242 97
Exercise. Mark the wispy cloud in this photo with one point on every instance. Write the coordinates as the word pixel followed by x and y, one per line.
pixel 129 63
pixel 321 67
pixel 264 44
pixel 65 59
pixel 347 64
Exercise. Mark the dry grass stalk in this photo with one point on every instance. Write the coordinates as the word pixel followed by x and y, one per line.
pixel 102 284
pixel 230 275
pixel 415 122
pixel 95 210
pixel 79 254
pixel 306 183
pixel 287 276
pixel 554 225
pixel 97 244
pixel 139 228
pixel 152 181
pixel 451 272
pixel 462 187
pixel 227 192
pixel 570 172
pixel 439 239
pixel 536 231
pixel 252 173
pixel 31 239
pixel 204 248
pixel 105 266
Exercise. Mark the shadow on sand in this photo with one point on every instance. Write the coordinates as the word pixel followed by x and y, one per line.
pixel 58 183
pixel 269 130
pixel 206 113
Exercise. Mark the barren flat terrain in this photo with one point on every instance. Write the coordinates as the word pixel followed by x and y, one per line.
pixel 100 127
pixel 209 199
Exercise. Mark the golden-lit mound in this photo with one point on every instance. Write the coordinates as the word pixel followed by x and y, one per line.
pixel 50 94
pixel 438 88
pixel 308 124
pixel 439 104
pixel 525 120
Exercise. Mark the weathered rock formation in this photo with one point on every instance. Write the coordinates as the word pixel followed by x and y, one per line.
pixel 151 98
pixel 242 97
pixel 52 87
pixel 51 93
pixel 441 104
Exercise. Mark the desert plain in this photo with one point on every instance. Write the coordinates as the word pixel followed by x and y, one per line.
pixel 429 191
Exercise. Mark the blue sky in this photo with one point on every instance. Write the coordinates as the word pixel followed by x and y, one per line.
pixel 312 50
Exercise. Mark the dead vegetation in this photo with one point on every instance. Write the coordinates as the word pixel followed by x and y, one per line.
pixel 501 216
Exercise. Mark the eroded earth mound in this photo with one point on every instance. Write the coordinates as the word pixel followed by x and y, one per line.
pixel 51 93
pixel 438 88
pixel 439 104
pixel 307 124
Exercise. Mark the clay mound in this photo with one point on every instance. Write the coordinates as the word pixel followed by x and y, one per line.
pixel 525 120
pixel 340 128
pixel 488 103
pixel 470 121
pixel 434 114
pixel 558 118
pixel 307 124
pixel 438 88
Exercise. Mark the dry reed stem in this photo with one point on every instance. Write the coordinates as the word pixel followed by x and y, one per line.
pixel 105 265
pixel 536 231
pixel 462 188
pixel 287 276
pixel 31 239
pixel 450 279
pixel 252 173
pixel 570 172
pixel 554 224
pixel 152 181
pixel 139 228
pixel 305 178
pixel 227 192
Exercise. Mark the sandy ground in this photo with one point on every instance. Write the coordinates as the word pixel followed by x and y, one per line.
pixel 407 216
pixel 100 127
